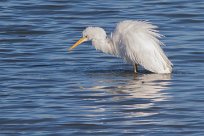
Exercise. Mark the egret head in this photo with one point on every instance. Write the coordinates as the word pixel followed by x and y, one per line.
pixel 90 33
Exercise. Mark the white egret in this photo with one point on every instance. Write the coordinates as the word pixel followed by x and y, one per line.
pixel 137 42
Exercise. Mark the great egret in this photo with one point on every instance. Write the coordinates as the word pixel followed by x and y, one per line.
pixel 137 42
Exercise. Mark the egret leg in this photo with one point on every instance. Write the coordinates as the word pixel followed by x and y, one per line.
pixel 135 68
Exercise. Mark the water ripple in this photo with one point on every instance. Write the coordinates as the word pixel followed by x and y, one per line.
pixel 47 91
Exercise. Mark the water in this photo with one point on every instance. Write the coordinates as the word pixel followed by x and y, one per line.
pixel 47 91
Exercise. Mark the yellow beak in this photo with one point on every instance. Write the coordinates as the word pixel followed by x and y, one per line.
pixel 83 39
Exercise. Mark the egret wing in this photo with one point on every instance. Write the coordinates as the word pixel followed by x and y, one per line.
pixel 138 42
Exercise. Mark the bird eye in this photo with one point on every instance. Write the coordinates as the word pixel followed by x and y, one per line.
pixel 86 36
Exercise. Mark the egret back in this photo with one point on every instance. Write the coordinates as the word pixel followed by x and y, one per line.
pixel 138 42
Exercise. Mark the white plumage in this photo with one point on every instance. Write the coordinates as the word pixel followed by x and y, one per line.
pixel 135 41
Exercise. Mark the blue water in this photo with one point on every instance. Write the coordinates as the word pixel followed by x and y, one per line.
pixel 47 91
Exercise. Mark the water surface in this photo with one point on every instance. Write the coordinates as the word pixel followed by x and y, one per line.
pixel 47 91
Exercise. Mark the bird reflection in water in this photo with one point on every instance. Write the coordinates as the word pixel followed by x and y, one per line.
pixel 138 95
pixel 148 86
